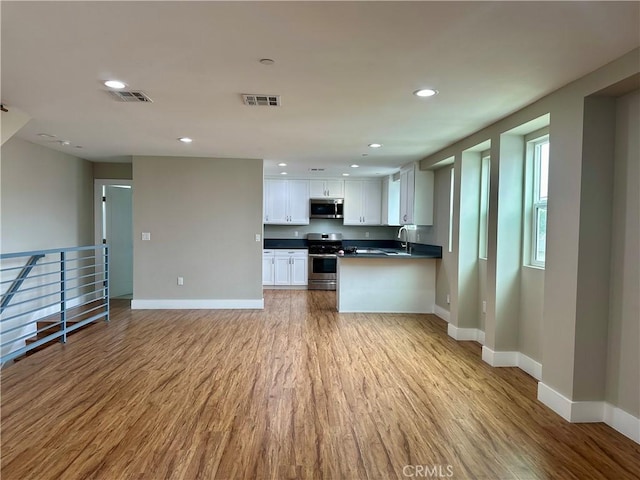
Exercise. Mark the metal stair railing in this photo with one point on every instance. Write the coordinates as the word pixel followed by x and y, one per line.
pixel 48 300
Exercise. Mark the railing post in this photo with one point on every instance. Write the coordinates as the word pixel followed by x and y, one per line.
pixel 106 281
pixel 63 299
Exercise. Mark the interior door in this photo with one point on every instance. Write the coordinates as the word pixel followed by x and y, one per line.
pixel 118 232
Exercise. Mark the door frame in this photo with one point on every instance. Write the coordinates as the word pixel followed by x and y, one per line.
pixel 98 183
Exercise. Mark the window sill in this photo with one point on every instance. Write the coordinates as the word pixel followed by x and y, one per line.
pixel 534 267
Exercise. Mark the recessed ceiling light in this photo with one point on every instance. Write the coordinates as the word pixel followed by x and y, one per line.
pixel 425 92
pixel 267 61
pixel 375 145
pixel 117 84
pixel 354 166
pixel 64 142
pixel 46 135
pixel 282 164
pixel 283 173
pixel 185 139
pixel 345 174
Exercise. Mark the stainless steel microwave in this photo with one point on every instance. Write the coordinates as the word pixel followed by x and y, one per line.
pixel 326 208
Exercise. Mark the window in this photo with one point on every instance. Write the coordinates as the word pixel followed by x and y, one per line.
pixel 540 151
pixel 483 233
pixel 451 210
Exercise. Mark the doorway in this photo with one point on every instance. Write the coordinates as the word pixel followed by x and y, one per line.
pixel 114 225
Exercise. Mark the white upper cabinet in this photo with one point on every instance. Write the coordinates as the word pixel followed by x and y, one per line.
pixel 286 201
pixel 326 188
pixel 416 196
pixel 362 202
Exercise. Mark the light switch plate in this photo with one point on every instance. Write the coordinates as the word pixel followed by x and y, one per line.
pixel 146 236
pixel 257 237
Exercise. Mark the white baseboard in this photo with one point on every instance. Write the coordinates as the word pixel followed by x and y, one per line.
pixel 530 366
pixel 213 304
pixel 512 359
pixel 466 334
pixel 441 312
pixel 499 359
pixel 622 421
pixel 590 412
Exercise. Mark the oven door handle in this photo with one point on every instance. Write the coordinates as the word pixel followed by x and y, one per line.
pixel 322 255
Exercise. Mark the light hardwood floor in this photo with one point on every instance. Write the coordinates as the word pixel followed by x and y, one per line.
pixel 295 391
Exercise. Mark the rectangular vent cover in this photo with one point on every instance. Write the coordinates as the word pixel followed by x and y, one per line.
pixel 130 96
pixel 254 100
pixel 316 169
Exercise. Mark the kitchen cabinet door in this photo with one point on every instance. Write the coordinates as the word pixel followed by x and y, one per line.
pixel 299 269
pixel 298 202
pixel 268 267
pixel 362 202
pixel 275 203
pixel 353 202
pixel 282 273
pixel 335 188
pixel 416 196
pixel 371 202
pixel 326 188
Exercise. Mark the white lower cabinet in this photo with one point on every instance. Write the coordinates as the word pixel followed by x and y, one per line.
pixel 285 267
pixel 268 267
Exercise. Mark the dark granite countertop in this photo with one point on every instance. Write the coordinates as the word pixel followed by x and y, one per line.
pixel 418 250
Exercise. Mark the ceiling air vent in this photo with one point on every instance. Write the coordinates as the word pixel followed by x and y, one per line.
pixel 316 169
pixel 130 96
pixel 254 100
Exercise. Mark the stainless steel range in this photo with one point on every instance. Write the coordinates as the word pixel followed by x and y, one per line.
pixel 323 259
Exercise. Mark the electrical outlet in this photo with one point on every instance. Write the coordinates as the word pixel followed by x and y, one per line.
pixel 180 281
pixel 417 237
pixel 257 237
pixel 484 306
pixel 295 234
pixel 448 298
pixel 146 236
pixel 366 234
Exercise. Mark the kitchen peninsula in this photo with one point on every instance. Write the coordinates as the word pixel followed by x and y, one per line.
pixel 387 281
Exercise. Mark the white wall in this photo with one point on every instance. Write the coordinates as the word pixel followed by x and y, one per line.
pixel 623 359
pixel 203 215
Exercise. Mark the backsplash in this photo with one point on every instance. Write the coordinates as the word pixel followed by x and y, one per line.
pixel 376 232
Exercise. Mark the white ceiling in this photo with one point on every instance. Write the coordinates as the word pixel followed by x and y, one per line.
pixel 345 71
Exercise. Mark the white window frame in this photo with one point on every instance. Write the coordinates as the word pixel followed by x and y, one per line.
pixel 483 230
pixel 451 204
pixel 538 204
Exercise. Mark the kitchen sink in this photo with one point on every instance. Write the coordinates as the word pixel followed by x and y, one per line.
pixel 375 251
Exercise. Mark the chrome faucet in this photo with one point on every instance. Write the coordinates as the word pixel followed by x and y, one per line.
pixel 404 244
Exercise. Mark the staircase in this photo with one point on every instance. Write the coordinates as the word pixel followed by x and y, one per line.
pixel 52 324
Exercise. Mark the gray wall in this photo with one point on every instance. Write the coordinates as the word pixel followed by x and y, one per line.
pixel 623 361
pixel 113 171
pixel 47 198
pixel 444 268
pixel 203 215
